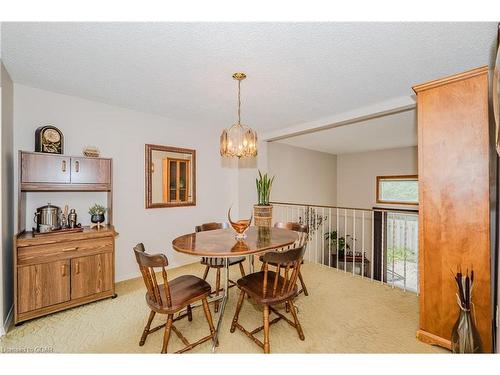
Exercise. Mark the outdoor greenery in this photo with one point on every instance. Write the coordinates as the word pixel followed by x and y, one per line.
pixel 264 184
pixel 399 190
pixel 398 253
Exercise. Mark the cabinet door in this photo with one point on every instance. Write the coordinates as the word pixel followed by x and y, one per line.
pixel 92 274
pixel 42 285
pixel 90 171
pixel 41 168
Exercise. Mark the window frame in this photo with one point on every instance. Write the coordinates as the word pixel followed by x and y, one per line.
pixel 399 177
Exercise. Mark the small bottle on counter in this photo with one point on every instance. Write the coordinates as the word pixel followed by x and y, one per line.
pixel 72 218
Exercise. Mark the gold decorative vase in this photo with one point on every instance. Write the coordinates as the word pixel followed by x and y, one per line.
pixel 263 215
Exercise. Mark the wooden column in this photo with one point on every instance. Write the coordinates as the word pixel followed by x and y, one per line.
pixel 454 211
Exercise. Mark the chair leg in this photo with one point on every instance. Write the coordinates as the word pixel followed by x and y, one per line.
pixel 208 315
pixel 166 336
pixel 189 313
pixel 296 321
pixel 217 287
pixel 146 329
pixel 266 329
pixel 205 274
pixel 242 270
pixel 237 312
pixel 303 284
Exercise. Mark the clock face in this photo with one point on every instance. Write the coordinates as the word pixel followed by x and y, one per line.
pixel 52 136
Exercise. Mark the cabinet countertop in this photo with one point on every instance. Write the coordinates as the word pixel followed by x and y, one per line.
pixel 27 239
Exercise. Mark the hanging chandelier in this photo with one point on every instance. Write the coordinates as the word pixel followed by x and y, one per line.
pixel 239 140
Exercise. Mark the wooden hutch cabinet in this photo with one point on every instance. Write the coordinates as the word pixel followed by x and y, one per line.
pixel 56 271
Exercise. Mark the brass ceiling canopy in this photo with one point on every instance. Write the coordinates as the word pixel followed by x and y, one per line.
pixel 239 76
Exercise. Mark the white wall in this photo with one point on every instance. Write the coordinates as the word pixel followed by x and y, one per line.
pixel 356 173
pixel 121 134
pixel 247 172
pixel 7 198
pixel 302 175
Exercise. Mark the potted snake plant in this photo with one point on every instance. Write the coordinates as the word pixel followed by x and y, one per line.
pixel 263 210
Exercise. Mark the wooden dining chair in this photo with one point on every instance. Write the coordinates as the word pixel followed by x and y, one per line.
pixel 171 297
pixel 218 263
pixel 269 288
pixel 303 233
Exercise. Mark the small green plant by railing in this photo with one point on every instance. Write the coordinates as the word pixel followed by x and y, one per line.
pixel 342 242
pixel 264 184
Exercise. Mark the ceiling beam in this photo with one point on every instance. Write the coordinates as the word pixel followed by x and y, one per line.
pixel 388 107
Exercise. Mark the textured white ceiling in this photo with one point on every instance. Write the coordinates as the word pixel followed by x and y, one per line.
pixel 297 72
pixel 391 131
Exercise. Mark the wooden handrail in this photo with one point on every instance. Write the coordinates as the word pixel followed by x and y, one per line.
pixel 346 208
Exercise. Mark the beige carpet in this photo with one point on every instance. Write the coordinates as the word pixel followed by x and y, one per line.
pixel 342 314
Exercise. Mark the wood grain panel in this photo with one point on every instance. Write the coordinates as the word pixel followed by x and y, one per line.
pixel 91 275
pixel 45 168
pixel 90 170
pixel 32 186
pixel 63 250
pixel 62 306
pixel 43 285
pixel 27 239
pixel 454 188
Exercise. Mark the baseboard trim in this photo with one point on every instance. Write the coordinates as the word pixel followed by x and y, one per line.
pixel 432 339
pixel 5 327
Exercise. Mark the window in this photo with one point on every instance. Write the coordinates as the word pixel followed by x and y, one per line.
pixel 397 189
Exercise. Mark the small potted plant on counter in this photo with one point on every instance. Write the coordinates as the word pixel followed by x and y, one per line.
pixel 263 210
pixel 97 215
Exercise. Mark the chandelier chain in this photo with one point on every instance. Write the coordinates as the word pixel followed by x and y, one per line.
pixel 239 102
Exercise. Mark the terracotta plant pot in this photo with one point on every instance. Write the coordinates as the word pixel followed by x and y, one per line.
pixel 263 215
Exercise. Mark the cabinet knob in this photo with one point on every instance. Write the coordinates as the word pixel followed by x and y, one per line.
pixel 77 268
pixel 63 270
pixel 77 166
pixel 64 166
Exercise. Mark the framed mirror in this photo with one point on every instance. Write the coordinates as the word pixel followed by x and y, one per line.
pixel 170 176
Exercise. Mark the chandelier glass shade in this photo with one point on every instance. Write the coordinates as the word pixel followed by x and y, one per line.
pixel 239 140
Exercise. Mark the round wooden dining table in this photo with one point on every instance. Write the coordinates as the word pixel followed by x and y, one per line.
pixel 221 243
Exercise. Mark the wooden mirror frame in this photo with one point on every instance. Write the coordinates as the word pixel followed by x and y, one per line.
pixel 147 174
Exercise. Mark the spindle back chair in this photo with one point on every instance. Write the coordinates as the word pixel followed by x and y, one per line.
pixel 301 229
pixel 171 297
pixel 303 233
pixel 269 288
